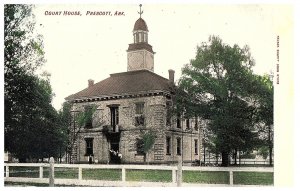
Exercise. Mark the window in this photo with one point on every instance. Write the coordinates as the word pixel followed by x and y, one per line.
pixel 178 121
pixel 187 121
pixel 140 37
pixel 88 110
pixel 139 108
pixel 196 123
pixel 139 114
pixel 134 37
pixel 168 144
pixel 178 146
pixel 139 120
pixel 139 147
pixel 114 117
pixel 89 146
pixel 168 118
pixel 196 146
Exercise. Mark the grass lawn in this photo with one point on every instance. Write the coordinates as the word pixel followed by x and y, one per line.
pixel 33 172
pixel 253 178
pixel 207 177
pixel 24 171
pixel 102 174
pixel 149 175
pixel 59 172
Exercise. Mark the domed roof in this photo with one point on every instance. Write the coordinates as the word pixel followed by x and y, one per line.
pixel 140 24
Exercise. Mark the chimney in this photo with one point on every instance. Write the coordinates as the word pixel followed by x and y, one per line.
pixel 171 75
pixel 91 83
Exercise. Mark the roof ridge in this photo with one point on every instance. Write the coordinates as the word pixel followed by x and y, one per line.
pixel 136 71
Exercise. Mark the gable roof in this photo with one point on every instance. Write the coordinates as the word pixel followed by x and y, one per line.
pixel 124 83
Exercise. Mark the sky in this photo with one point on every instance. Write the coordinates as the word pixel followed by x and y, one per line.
pixel 78 48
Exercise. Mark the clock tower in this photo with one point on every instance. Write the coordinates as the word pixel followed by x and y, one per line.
pixel 140 55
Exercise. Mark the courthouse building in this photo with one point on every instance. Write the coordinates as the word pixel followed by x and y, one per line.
pixel 126 106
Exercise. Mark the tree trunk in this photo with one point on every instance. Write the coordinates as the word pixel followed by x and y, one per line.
pixel 240 158
pixel 204 155
pixel 235 156
pixel 270 146
pixel 145 158
pixel 225 160
pixel 270 157
pixel 59 154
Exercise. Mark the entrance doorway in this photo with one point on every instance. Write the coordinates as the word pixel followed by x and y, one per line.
pixel 114 149
pixel 114 154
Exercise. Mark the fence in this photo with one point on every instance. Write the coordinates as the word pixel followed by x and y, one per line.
pixel 176 174
pixel 253 162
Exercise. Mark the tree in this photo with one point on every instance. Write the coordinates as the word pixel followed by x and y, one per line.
pixel 85 118
pixel 35 134
pixel 223 89
pixel 146 142
pixel 30 126
pixel 65 119
pixel 265 115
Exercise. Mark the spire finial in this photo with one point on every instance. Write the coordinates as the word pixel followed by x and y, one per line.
pixel 141 12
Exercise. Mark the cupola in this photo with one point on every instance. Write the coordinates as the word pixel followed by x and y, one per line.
pixel 140 55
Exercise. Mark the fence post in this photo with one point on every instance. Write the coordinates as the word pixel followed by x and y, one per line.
pixel 174 175
pixel 80 173
pixel 51 172
pixel 123 174
pixel 7 172
pixel 231 177
pixel 41 172
pixel 179 172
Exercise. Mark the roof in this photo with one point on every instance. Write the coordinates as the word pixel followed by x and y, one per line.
pixel 125 83
pixel 140 46
pixel 140 24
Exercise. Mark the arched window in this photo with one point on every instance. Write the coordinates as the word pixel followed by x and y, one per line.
pixel 136 38
pixel 140 37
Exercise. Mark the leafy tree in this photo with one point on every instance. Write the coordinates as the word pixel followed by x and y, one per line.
pixel 148 139
pixel 264 151
pixel 85 118
pixel 265 114
pixel 65 118
pixel 145 144
pixel 223 90
pixel 35 134
pixel 30 126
